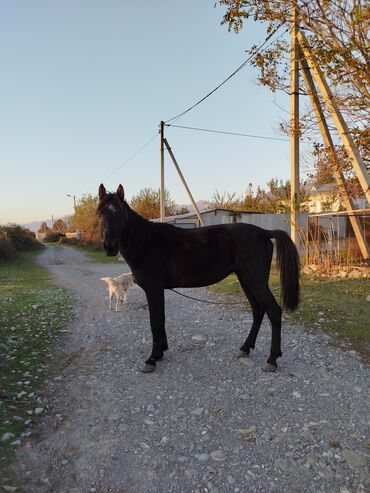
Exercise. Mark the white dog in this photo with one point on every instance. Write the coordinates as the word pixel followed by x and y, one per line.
pixel 119 287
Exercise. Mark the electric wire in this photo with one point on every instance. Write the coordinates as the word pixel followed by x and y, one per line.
pixel 252 55
pixel 253 136
pixel 245 301
pixel 210 302
pixel 128 159
pixel 176 117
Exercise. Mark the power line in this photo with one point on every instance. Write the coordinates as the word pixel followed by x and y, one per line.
pixel 128 159
pixel 132 156
pixel 175 118
pixel 227 133
pixel 253 54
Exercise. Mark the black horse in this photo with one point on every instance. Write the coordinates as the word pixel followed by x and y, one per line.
pixel 162 256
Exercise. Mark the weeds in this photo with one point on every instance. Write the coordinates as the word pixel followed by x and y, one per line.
pixel 32 312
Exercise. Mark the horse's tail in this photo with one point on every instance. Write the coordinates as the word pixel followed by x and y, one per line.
pixel 289 264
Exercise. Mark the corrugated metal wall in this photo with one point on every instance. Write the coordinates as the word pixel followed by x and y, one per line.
pixel 218 216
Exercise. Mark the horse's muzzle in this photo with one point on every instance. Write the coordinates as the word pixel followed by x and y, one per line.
pixel 110 250
pixel 111 253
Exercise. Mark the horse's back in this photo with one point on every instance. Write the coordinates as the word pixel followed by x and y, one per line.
pixel 226 239
pixel 203 256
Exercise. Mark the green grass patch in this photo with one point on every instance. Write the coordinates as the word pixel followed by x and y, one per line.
pixel 93 253
pixel 338 306
pixel 97 255
pixel 32 312
pixel 101 256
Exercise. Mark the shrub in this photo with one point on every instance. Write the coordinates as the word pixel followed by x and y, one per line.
pixel 15 239
pixel 22 239
pixel 93 245
pixel 5 246
pixel 69 241
pixel 54 236
pixel 85 219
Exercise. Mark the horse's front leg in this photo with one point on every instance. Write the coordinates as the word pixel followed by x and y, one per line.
pixel 155 300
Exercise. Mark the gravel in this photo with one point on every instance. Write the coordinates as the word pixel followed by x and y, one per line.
pixel 204 421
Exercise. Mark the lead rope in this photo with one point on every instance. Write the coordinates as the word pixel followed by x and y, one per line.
pixel 214 302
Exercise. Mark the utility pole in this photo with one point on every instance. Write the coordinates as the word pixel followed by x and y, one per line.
pixel 337 117
pixel 183 181
pixel 329 144
pixel 74 200
pixel 294 130
pixel 162 191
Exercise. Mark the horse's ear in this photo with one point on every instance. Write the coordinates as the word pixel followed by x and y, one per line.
pixel 120 193
pixel 102 191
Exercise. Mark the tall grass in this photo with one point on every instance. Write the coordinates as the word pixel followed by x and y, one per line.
pixel 329 248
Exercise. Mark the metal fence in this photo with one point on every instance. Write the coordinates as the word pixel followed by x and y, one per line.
pixel 326 238
pixel 329 237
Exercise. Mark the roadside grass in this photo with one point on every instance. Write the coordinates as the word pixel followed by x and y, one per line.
pixel 338 306
pixel 101 256
pixel 98 255
pixel 32 313
pixel 93 253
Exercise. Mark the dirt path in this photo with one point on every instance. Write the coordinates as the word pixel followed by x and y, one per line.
pixel 204 421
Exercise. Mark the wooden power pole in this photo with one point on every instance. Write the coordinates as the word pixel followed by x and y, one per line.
pixel 162 191
pixel 328 141
pixel 172 156
pixel 336 115
pixel 294 130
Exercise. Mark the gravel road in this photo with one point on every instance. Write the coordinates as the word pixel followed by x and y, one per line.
pixel 203 421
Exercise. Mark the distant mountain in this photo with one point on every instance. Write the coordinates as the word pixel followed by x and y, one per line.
pixel 202 205
pixel 35 225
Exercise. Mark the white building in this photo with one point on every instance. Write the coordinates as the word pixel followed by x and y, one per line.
pixel 325 198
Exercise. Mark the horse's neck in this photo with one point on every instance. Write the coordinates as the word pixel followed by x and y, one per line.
pixel 136 234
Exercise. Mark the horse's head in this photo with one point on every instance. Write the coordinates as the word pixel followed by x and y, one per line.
pixel 110 212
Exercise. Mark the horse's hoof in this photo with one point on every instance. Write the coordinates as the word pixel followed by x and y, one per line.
pixel 269 368
pixel 148 368
pixel 242 354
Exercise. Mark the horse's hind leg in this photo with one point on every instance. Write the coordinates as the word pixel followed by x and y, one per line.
pixel 157 323
pixel 274 312
pixel 258 311
pixel 265 298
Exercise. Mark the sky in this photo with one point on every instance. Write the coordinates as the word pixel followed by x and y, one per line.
pixel 85 84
